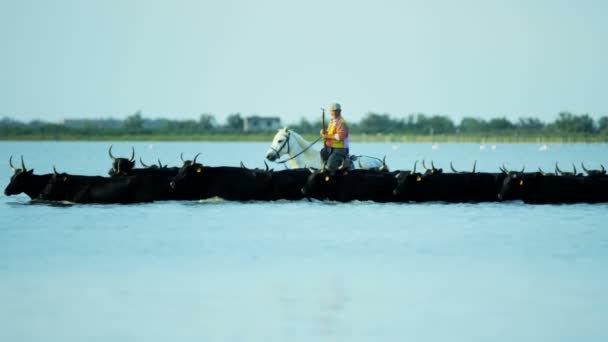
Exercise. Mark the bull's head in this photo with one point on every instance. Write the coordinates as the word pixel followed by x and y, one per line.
pixel 57 186
pixel 121 166
pixel 594 173
pixel 159 166
pixel 384 167
pixel 433 170
pixel 456 171
pixel 407 181
pixel 20 180
pixel 514 184
pixel 543 173
pixel 320 181
pixel 188 170
pixel 559 172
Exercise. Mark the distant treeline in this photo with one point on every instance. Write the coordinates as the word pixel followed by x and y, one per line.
pixel 566 124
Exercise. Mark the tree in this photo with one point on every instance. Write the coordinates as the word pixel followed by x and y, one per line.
pixel 206 122
pixel 134 122
pixel 530 124
pixel 436 124
pixel 472 125
pixel 603 125
pixel 500 125
pixel 235 122
pixel 377 123
pixel 570 123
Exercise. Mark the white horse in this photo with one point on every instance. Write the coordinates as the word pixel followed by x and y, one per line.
pixel 298 153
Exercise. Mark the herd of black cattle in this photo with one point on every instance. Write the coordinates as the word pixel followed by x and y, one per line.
pixel 194 181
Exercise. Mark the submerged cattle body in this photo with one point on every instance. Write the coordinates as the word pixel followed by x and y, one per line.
pixel 195 181
pixel 96 189
pixel 449 187
pixel 537 188
pixel 353 185
pixel 285 184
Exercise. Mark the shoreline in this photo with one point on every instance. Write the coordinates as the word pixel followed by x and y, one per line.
pixel 388 138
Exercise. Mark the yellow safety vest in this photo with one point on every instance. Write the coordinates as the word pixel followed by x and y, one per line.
pixel 333 129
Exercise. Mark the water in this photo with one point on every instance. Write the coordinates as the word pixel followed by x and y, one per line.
pixel 301 271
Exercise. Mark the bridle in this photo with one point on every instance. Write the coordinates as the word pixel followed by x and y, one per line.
pixel 286 142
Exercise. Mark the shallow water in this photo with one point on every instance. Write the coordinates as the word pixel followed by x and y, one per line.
pixel 304 270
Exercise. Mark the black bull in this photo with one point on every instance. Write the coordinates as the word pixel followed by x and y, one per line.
pixel 195 181
pixel 449 187
pixel 537 188
pixel 344 185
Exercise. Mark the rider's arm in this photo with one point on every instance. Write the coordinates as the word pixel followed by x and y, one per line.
pixel 341 131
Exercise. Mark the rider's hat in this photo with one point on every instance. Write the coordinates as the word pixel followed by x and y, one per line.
pixel 334 106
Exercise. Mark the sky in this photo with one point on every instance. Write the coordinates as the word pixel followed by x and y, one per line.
pixel 180 58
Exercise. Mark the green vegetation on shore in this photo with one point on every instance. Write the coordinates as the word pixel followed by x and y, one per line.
pixel 267 137
pixel 373 127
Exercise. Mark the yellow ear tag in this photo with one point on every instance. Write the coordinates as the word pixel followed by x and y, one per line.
pixel 418 179
pixel 199 169
pixel 327 178
pixel 521 182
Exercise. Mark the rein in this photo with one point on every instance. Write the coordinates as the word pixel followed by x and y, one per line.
pixel 297 154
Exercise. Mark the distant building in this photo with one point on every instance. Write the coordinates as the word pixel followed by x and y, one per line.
pixel 258 123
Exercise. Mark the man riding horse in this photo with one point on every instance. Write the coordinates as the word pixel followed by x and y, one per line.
pixel 335 138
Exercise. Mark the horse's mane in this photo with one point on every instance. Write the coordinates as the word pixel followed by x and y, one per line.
pixel 299 139
pixel 310 157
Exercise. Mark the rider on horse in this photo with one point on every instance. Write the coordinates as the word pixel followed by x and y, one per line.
pixel 335 150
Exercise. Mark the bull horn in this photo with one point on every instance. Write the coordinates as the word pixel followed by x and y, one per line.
pixel 181 156
pixel 384 166
pixel 267 168
pixel 574 168
pixel 55 170
pixel 557 170
pixel 132 154
pixel 474 165
pixel 523 169
pixel 541 171
pixel 160 165
pixel 452 167
pixel 424 166
pixel 342 165
pixel 110 153
pixel 584 168
pixel 503 169
pixel 603 170
pixel 23 164
pixel 194 160
pixel 10 163
pixel 243 165
pixel 432 165
pixel 414 171
pixel 142 163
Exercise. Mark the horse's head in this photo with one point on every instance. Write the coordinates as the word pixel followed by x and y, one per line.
pixel 280 145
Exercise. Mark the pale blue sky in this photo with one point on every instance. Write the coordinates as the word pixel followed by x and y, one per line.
pixel 110 58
